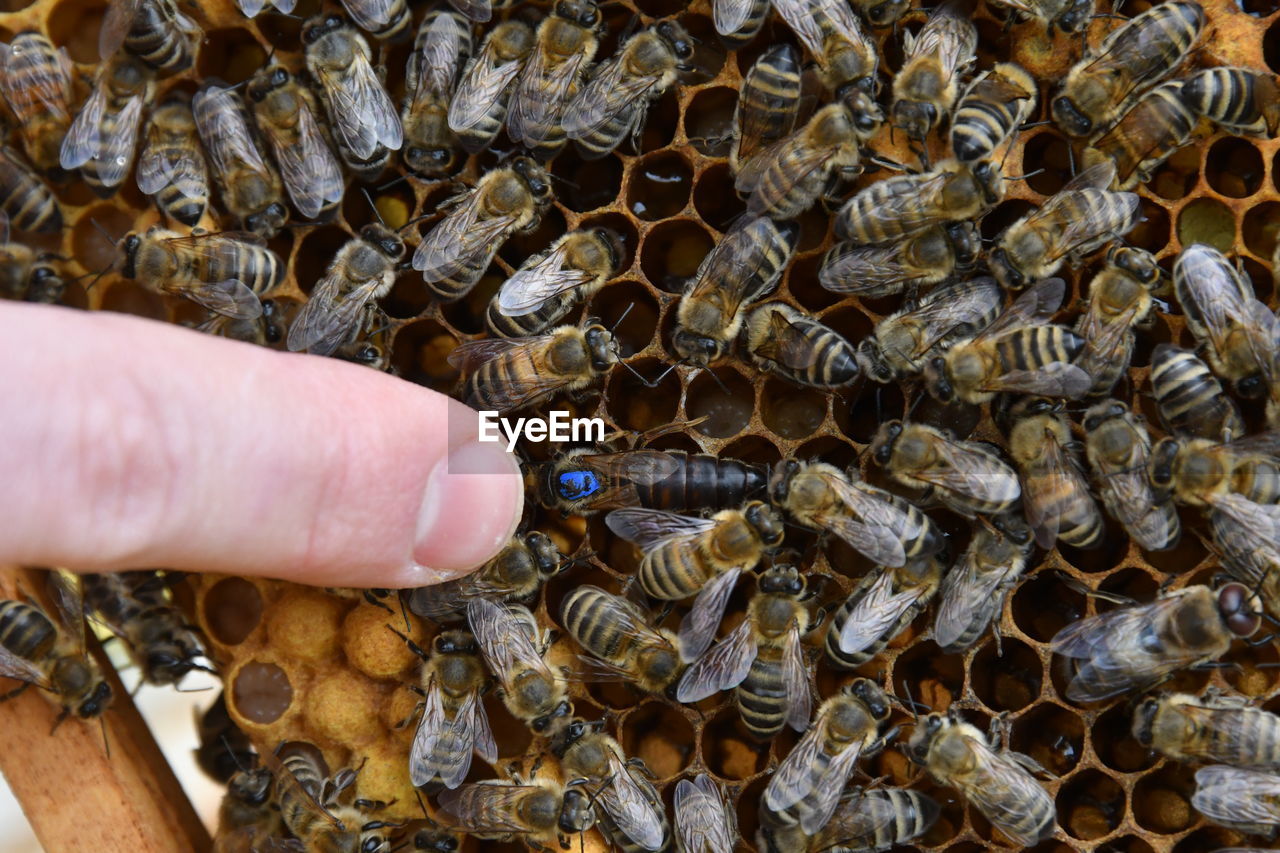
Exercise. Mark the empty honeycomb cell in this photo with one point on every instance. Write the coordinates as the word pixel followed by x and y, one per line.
pixel 815 224
pixel 802 283
pixel 283 32
pixel 715 199
pixel 1109 553
pixel 1259 276
pixel 372 648
pixel 829 449
pixel 74 24
pixel 660 186
pixel 1152 231
pixel 614 551
pixel 1132 583
pixel 1052 735
pixel 1090 805
pixel 231 55
pixel 934 679
pixel 75 193
pixel 1042 605
pixel 305 624
pixel 1178 175
pixel 260 692
pixel 1047 150
pixel 661 736
pixel 671 253
pixel 1234 167
pixel 623 227
pixel 614 695
pixel 791 411
pixel 231 610
pixel 1005 214
pixel 728 750
pixel 748 812
pixel 660 123
pixel 629 310
pixel 126 297
pixel 724 398
pixel 90 244
pixel 1008 681
pixel 420 354
pixel 636 404
pixel 709 55
pixel 315 253
pixel 342 707
pixel 583 185
pixel 708 123
pixel 1209 221
pixel 408 298
pixel 1259 228
pixel 752 448
pixel 1162 799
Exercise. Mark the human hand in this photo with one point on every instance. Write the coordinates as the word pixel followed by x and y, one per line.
pixel 126 443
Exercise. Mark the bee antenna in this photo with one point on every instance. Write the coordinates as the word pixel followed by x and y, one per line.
pixel 887 163
pixel 565 181
pixel 106 743
pixel 389 184
pixel 102 230
pixel 1024 177
pixel 226 744
pixel 178 689
pixel 373 206
pixel 618 322
pixel 646 382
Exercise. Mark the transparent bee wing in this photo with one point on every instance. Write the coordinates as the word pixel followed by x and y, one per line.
pixel 476 10
pixel 25 73
pixel 651 528
pixel 1056 379
pixel 541 94
pixel 1003 790
pixel 1237 795
pixel 699 626
pixel 362 112
pixel 968 471
pixel 370 15
pixel 1040 494
pixel 482 85
pixel 502 643
pixel 703 825
pixel 1035 306
pixel 309 169
pixel 84 137
pixel 116 155
pixel 861 269
pixel 1262 520
pixel 485 807
pixel 115 26
pixel 220 118
pixel 801 17
pixel 829 789
pixel 435 66
pixel 802 161
pixel 441 746
pixel 730 16
pixel 1097 177
pixel 950 36
pixel 725 666
pixel 792 781
pixel 328 318
pixel 534 283
pixel 857 819
pixel 251 8
pixel 877 527
pixel 470 355
pixel 284 7
pixel 795 679
pixel 459 238
pixel 965 593
pixel 230 298
pixel 624 800
pixel 609 92
pixel 643 467
pixel 877 612
pixel 284 779
pixel 67 592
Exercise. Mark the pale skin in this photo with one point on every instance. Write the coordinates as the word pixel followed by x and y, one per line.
pixel 127 443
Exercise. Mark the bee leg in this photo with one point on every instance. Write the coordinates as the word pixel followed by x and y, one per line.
pixel 1035 768
pixel 819 616
pixel 375 596
pixel 14 693
pixel 66 712
pixel 638 764
pixel 998 731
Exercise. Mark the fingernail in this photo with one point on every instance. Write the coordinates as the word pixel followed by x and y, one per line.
pixel 470 508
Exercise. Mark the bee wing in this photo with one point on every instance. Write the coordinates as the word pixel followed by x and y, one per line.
pixel 1261 520
pixel 795 679
pixel 840 15
pixel 786 344
pixel 115 26
pixel 861 269
pixel 160 166
pixel 730 16
pixel 965 591
pixel 899 208
pixel 802 158
pixel 855 820
pixel 310 172
pixel 702 822
pixel 1264 443
pixel 284 778
pixel 1056 379
pixel 502 642
pixel 438 737
pixel 437 61
pixel 251 8
pixel 1080 235
pixel 830 789
pixel 327 319
pixel 802 17
pixel 1237 795
pixel 485 807
pixel 726 277
pixel 792 781
pixel 482 84
pixel 470 355
pixel 370 15
pixel 971 473
pixel 1203 277
pixel 949 36
pixel 1097 177
pixel 624 800
pixel 533 284
pixel 1034 307
pixel 230 298
pixel 609 91
pixel 24 75
pixel 1132 500
pixel 877 612
pixel 953 308
pixel 699 626
pixel 1004 793
pixel 476 10
pixel 651 528
pixel 629 619
pixel 363 114
pixel 725 666
pixel 220 119
pixel 458 238
pixel 877 528
pixel 116 154
pixel 643 467
pixel 1039 494
pixel 21 669
pixel 1104 336
pixel 541 94
pixel 67 592
pixel 84 137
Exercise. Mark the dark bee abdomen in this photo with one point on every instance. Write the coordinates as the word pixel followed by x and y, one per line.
pixel 533 323
pixel 601 141
pixel 762 696
pixel 778 196
pixel 672 572
pixel 849 660
pixel 1190 399
pixel 515 370
pixel 704 482
pixel 1035 346
pixel 25 631
pixel 365 169
pixel 157 41
pixel 1228 96
pixel 581 612
pixel 1078 517
pixel 1251 739
pixel 1258 480
pixel 397 24
pixel 184 198
pixel 913 814
pixel 477 137
pixel 979 126
pixel 259 268
pixel 29 204
pixel 1148 134
pixel 460 283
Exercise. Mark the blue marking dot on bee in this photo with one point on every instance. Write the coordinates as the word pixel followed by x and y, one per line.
pixel 576 485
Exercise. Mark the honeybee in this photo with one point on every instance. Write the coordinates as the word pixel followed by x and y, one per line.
pixel 27 274
pixel 440 50
pixel 1145 136
pixel 268 329
pixel 1200 472
pixel 1189 397
pixel 927 257
pixel 506 374
pixel 1218 728
pixel 618 633
pixel 866 821
pixel 226 273
pixel 152 30
pixel 997 781
pixel 136 607
pixel 1055 494
pixel 613 103
pixel 551 78
pixel 767 106
pixel 1243 799
pixel 1136 647
pixel 779 339
pixel 1069 16
pixel 834 36
pixel 991 110
pixel 582 482
pixel 1235 330
pixel 171 167
pixel 248 819
pixel 883 527
pixel 967 477
pixel 515 574
pixel 36 649
pixel 704 822
pixel 362 117
pixel 550 283
pixel 224 747
pixel 925 88
pixel 808 784
pixel 785 180
pixel 539 813
pixel 1132 58
pixel 903 205
pixel 763 658
pixel 479 106
pixel 35 79
pixel 743 267
pixel 885 601
pixel 454 723
pixel 459 248
pixel 358 276
pixel 1076 221
pixel 628 808
pixel 250 187
pixel 386 20
pixel 1118 447
pixel 26 202
pixel 104 136
pixel 1120 298
pixel 252 8
pixel 509 639
pixel 308 801
pixel 288 116
pixel 1236 99
pixel 975 589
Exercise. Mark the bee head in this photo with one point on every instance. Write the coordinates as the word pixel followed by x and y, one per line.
pixel 766 521
pixel 601 346
pixel 1009 276
pixel 430 839
pixel 535 177
pixel 576 813
pixel 1077 17
pixel 613 244
pixel 367 354
pixel 780 484
pixel 251 786
pixel 573 732
pixel 1160 464
pixel 966 242
pixel 927 728
pixel 989 179
pixel 678 37
pixel 696 350
pixel 455 643
pixel 268 221
pixel 1237 606
pixel 1103 412
pixel 870 694
pixel 883 443
pixel 781 580
pixel 44 273
pixel 546 556
pixel 1251 387
pixel 168 665
pixel 130 245
pixel 547 721
pixel 97 702
pixel 914 118
pixel 430 162
pixel 316 28
pixel 937 381
pixel 1069 118
pixel 262 86
pixel 1144 718
pixel 386 241
pixel 887 13
pixel 1011 526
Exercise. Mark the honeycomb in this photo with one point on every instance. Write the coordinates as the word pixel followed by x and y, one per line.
pixel 320 666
